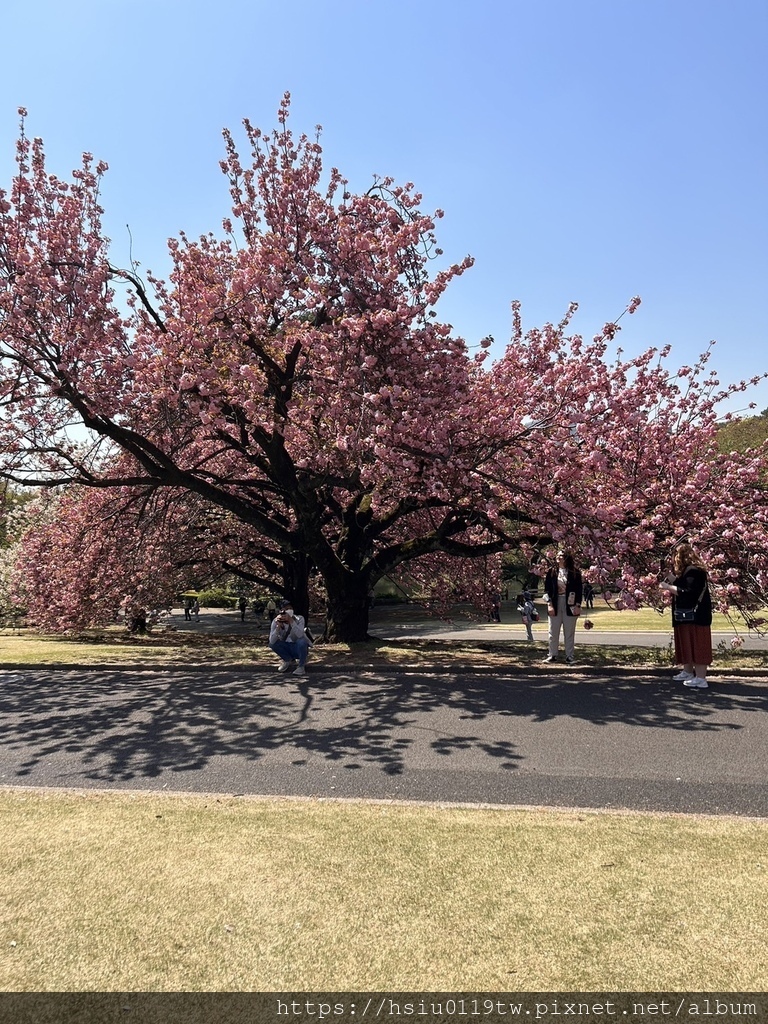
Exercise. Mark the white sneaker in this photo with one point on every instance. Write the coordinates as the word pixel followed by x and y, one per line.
pixel 284 666
pixel 300 671
pixel 682 676
pixel 696 683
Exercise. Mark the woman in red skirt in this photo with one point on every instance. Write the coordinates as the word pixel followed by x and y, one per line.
pixel 693 637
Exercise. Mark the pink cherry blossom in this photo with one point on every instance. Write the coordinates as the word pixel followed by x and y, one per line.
pixel 288 407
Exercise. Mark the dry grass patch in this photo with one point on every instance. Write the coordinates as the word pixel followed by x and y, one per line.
pixel 119 649
pixel 105 891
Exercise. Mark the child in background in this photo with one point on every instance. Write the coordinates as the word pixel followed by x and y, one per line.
pixel 528 613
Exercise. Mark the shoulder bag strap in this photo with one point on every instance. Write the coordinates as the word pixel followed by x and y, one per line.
pixel 701 596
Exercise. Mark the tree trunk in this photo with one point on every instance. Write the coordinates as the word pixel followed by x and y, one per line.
pixel 347 618
pixel 296 570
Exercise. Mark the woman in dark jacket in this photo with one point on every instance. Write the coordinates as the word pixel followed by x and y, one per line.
pixel 693 638
pixel 564 591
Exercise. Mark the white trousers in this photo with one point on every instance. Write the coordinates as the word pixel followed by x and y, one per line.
pixel 568 624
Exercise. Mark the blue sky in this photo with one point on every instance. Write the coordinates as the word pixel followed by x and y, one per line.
pixel 585 150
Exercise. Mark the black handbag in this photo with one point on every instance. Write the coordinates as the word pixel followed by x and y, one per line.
pixel 685 614
pixel 689 614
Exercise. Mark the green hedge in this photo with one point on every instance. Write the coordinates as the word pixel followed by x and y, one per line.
pixel 213 598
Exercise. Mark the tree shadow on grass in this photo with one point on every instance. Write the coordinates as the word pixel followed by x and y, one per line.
pixel 122 726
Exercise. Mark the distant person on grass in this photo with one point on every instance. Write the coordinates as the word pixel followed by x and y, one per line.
pixel 289 641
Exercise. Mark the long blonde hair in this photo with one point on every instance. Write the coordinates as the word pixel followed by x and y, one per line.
pixel 685 556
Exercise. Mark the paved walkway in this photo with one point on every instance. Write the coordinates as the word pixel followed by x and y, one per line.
pixel 614 739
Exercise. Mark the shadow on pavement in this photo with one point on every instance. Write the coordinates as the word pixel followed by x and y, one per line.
pixel 128 725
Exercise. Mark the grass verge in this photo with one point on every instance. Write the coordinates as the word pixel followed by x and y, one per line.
pixel 130 892
pixel 119 649
pixel 646 620
pixel 25 647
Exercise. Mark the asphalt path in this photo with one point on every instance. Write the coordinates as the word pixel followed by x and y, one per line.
pixel 553 737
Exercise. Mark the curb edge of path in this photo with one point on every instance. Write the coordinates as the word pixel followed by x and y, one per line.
pixel 534 671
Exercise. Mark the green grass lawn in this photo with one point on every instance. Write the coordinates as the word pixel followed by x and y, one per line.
pixel 131 892
pixel 644 620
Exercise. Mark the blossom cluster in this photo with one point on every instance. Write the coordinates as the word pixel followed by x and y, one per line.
pixel 292 387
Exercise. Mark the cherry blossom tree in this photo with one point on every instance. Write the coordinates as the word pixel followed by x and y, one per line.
pixel 620 461
pixel 71 572
pixel 283 374
pixel 292 383
pixel 89 553
pixel 16 510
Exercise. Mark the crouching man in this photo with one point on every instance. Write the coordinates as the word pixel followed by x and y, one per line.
pixel 288 639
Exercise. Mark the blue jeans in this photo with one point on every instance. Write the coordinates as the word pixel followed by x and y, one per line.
pixel 292 650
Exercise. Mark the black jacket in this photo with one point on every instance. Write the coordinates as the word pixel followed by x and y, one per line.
pixel 689 593
pixel 573 586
